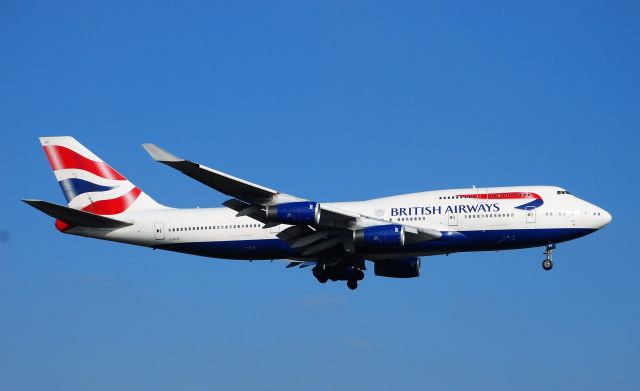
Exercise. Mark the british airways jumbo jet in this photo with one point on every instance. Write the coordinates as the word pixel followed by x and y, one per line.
pixel 335 238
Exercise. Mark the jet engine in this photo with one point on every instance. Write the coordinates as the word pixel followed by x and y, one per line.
pixel 294 213
pixel 391 235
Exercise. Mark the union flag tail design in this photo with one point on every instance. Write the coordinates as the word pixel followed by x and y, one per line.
pixel 90 184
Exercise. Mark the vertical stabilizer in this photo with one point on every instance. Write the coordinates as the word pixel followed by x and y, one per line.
pixel 90 184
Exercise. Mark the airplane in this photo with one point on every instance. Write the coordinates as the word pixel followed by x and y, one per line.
pixel 335 239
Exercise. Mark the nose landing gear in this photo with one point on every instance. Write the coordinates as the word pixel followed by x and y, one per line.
pixel 547 264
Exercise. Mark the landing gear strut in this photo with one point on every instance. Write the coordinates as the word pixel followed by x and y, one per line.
pixel 547 264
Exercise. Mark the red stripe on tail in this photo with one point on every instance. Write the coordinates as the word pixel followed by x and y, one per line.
pixel 113 206
pixel 63 158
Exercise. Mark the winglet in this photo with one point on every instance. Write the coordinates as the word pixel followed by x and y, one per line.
pixel 160 155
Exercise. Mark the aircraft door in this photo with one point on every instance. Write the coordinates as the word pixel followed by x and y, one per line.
pixel 453 220
pixel 159 228
pixel 531 214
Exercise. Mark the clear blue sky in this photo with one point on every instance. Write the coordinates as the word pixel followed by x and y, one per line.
pixel 330 101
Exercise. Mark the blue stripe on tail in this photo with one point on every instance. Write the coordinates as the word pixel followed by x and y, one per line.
pixel 72 187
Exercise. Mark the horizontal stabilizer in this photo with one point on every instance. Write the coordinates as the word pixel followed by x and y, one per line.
pixel 75 217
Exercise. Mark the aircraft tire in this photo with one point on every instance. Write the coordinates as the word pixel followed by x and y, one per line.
pixel 352 284
pixel 547 264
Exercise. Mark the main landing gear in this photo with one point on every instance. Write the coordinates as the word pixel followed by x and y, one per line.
pixel 547 264
pixel 341 272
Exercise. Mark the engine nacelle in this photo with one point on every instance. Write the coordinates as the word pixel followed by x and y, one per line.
pixel 398 268
pixel 391 235
pixel 294 213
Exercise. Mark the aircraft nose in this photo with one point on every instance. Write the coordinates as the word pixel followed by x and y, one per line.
pixel 601 218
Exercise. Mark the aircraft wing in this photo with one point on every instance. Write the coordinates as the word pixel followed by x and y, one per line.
pixel 220 181
pixel 334 227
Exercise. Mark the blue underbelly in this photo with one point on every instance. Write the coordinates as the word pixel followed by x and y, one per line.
pixel 500 239
pixel 449 243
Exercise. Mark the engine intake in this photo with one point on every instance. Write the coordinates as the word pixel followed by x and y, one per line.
pixel 391 235
pixel 398 268
pixel 294 213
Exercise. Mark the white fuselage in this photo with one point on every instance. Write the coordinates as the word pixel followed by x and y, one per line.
pixel 470 220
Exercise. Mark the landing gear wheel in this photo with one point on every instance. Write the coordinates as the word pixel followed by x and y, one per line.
pixel 352 284
pixel 322 279
pixel 547 264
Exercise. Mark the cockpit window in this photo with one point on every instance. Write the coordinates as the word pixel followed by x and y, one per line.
pixel 563 192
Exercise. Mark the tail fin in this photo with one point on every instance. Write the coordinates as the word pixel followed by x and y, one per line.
pixel 90 184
